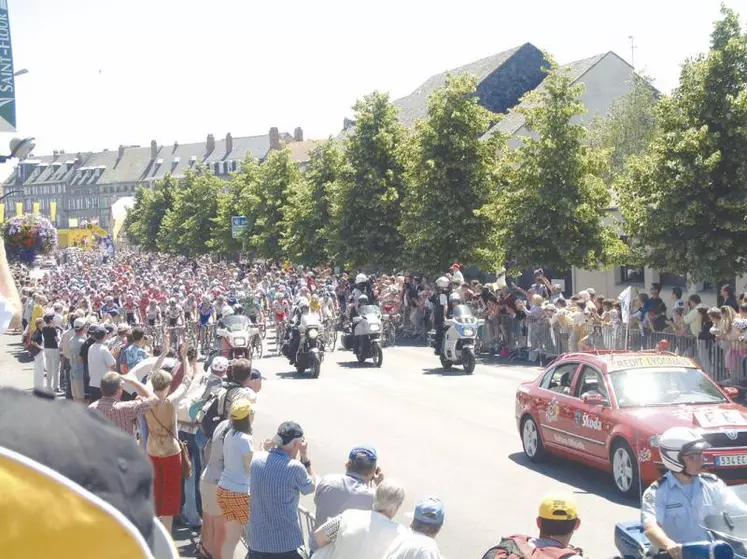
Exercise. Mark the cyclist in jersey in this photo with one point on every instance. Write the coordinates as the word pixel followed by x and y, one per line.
pixel 253 310
pixel 153 313
pixel 205 311
pixel 132 314
pixel 174 313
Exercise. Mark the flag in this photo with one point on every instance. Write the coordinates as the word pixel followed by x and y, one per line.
pixel 2 213
pixel 52 211
pixel 626 299
pixel 19 208
pixel 35 207
pixel 7 79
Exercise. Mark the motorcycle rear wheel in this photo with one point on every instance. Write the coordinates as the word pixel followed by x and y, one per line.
pixel 378 356
pixel 316 366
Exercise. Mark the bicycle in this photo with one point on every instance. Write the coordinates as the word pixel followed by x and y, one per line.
pixel 330 334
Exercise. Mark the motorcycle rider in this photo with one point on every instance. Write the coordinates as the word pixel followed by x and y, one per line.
pixel 362 301
pixel 297 321
pixel 675 506
pixel 454 301
pixel 440 302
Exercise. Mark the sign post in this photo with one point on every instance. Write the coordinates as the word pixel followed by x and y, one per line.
pixel 7 80
pixel 238 226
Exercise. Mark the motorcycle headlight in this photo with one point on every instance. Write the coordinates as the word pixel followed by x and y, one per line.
pixel 313 333
pixel 374 327
pixel 239 341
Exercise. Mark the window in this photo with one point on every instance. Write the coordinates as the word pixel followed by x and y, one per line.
pixel 590 381
pixel 672 280
pixel 630 274
pixel 217 167
pixel 560 378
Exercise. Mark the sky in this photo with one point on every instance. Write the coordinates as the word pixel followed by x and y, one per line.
pixel 104 73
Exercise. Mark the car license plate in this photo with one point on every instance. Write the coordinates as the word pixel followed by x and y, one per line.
pixel 735 460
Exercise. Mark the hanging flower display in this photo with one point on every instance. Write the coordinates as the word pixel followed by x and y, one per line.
pixel 28 236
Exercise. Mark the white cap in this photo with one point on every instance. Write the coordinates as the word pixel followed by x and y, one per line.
pixel 219 364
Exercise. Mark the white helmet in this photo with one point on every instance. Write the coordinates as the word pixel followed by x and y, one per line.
pixel 442 282
pixel 303 302
pixel 455 298
pixel 361 278
pixel 219 364
pixel 677 441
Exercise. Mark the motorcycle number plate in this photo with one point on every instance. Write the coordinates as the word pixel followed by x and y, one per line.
pixel 733 460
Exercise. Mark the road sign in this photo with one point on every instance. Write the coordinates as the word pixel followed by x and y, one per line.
pixel 238 225
pixel 7 81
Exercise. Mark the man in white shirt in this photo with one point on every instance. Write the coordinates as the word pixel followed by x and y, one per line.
pixel 100 361
pixel 363 534
pixel 419 542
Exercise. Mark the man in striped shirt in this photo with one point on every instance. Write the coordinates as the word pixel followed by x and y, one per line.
pixel 123 414
pixel 277 481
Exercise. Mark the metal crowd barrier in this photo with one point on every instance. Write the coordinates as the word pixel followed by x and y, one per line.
pixel 539 340
pixel 306 520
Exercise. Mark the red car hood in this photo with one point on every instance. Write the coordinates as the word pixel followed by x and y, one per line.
pixel 717 417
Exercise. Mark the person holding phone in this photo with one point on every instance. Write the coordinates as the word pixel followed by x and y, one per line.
pixel 354 489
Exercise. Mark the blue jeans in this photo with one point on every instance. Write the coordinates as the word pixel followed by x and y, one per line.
pixel 192 500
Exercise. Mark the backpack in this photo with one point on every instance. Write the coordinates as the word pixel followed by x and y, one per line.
pixel 518 547
pixel 121 365
pixel 214 409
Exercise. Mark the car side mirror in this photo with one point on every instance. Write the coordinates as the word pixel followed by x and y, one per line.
pixel 731 391
pixel 594 399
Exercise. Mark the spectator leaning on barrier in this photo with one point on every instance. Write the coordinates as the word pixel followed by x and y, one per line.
pixel 336 493
pixel 277 481
pixel 419 542
pixel 363 534
pixel 122 414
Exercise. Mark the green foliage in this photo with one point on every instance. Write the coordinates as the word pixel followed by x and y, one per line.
pixel 629 127
pixel 233 203
pixel 143 220
pixel 187 225
pixel 685 200
pixel 368 202
pixel 551 208
pixel 265 199
pixel 454 174
pixel 307 228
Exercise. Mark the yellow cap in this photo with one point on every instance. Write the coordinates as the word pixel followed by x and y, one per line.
pixel 241 408
pixel 558 507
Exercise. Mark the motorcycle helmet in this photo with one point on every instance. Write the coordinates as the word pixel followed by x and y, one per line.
pixel 676 442
pixel 303 302
pixel 363 300
pixel 361 278
pixel 219 364
pixel 172 302
pixel 442 282
pixel 455 298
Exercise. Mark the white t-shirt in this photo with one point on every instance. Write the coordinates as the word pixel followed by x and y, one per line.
pixel 413 545
pixel 364 534
pixel 100 362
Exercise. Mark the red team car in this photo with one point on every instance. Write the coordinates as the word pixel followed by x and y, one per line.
pixel 607 409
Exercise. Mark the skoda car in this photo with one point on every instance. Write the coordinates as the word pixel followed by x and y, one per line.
pixel 608 408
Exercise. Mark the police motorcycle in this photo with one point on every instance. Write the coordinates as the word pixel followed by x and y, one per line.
pixel 234 337
pixel 306 333
pixel 726 527
pixel 458 347
pixel 364 340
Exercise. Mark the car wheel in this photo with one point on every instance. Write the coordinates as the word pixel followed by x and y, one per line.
pixel 624 469
pixel 531 440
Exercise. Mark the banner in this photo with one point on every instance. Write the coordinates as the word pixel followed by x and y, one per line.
pixel 19 208
pixel 625 298
pixel 7 80
pixel 2 213
pixel 36 208
pixel 52 211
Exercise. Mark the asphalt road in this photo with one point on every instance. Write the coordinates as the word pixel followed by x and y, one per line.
pixel 439 433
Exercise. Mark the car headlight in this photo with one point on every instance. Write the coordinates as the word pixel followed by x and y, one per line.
pixel 469 332
pixel 374 327
pixel 239 341
pixel 313 333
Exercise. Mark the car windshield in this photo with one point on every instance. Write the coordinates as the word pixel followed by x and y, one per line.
pixel 234 323
pixel 663 386
pixel 369 309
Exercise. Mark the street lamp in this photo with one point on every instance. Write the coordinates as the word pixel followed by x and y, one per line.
pixel 19 148
pixel 9 193
pixel 21 72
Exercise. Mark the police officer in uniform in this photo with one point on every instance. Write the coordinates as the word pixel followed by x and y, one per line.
pixel 675 506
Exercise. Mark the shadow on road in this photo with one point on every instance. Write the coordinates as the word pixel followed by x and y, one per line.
pixel 294 375
pixel 455 372
pixel 368 364
pixel 584 478
pixel 410 342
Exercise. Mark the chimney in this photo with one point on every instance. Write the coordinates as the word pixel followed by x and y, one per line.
pixel 229 143
pixel 274 138
pixel 153 149
pixel 55 153
pixel 298 134
pixel 176 145
pixel 120 154
pixel 210 143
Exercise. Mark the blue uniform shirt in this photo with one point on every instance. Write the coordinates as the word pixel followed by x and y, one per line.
pixel 680 509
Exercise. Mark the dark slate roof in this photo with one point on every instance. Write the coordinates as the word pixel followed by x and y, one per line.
pixel 513 121
pixel 502 79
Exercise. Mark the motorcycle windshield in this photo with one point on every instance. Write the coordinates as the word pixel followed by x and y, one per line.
pixel 463 314
pixel 369 309
pixel 235 323
pixel 311 321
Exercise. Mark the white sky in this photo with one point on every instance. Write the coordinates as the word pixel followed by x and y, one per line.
pixel 104 73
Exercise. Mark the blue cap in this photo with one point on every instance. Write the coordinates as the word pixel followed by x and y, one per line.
pixel 429 511
pixel 363 453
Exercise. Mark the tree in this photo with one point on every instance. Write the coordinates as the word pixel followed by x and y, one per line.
pixel 628 129
pixel 306 218
pixel 264 202
pixel 685 200
pixel 367 205
pixel 553 202
pixel 454 174
pixel 144 219
pixel 187 225
pixel 233 203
